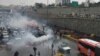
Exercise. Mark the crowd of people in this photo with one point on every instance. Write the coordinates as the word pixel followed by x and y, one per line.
pixel 59 31
pixel 6 32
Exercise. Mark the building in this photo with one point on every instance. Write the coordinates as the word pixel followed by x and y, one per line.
pixel 62 2
pixel 74 4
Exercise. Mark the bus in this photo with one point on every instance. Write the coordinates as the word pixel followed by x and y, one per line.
pixel 88 47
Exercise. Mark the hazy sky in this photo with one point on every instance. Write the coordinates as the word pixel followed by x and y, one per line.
pixel 30 2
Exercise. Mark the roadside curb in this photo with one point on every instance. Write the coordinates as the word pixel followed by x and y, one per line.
pixel 70 38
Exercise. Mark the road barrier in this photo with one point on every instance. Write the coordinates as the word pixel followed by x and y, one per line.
pixel 69 37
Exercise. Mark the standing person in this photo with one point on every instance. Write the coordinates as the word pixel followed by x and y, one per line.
pixel 35 49
pixel 52 46
pixel 59 34
pixel 30 55
pixel 16 53
pixel 1 36
pixel 38 53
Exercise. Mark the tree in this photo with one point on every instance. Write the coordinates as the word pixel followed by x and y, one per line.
pixel 81 5
pixel 59 5
pixel 51 5
pixel 39 5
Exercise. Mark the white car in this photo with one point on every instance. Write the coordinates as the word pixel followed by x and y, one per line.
pixel 64 48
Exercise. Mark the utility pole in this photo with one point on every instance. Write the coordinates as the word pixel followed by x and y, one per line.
pixel 47 9
pixel 47 12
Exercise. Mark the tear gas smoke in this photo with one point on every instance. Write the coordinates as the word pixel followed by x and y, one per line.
pixel 23 31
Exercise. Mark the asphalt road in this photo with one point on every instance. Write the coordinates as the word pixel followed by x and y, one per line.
pixel 44 49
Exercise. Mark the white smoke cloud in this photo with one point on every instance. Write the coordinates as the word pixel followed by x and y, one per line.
pixel 24 37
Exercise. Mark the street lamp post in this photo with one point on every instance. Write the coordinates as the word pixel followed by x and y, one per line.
pixel 47 11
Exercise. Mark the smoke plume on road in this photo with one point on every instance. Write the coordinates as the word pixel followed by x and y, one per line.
pixel 24 32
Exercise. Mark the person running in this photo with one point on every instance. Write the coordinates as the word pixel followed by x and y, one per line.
pixel 16 53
